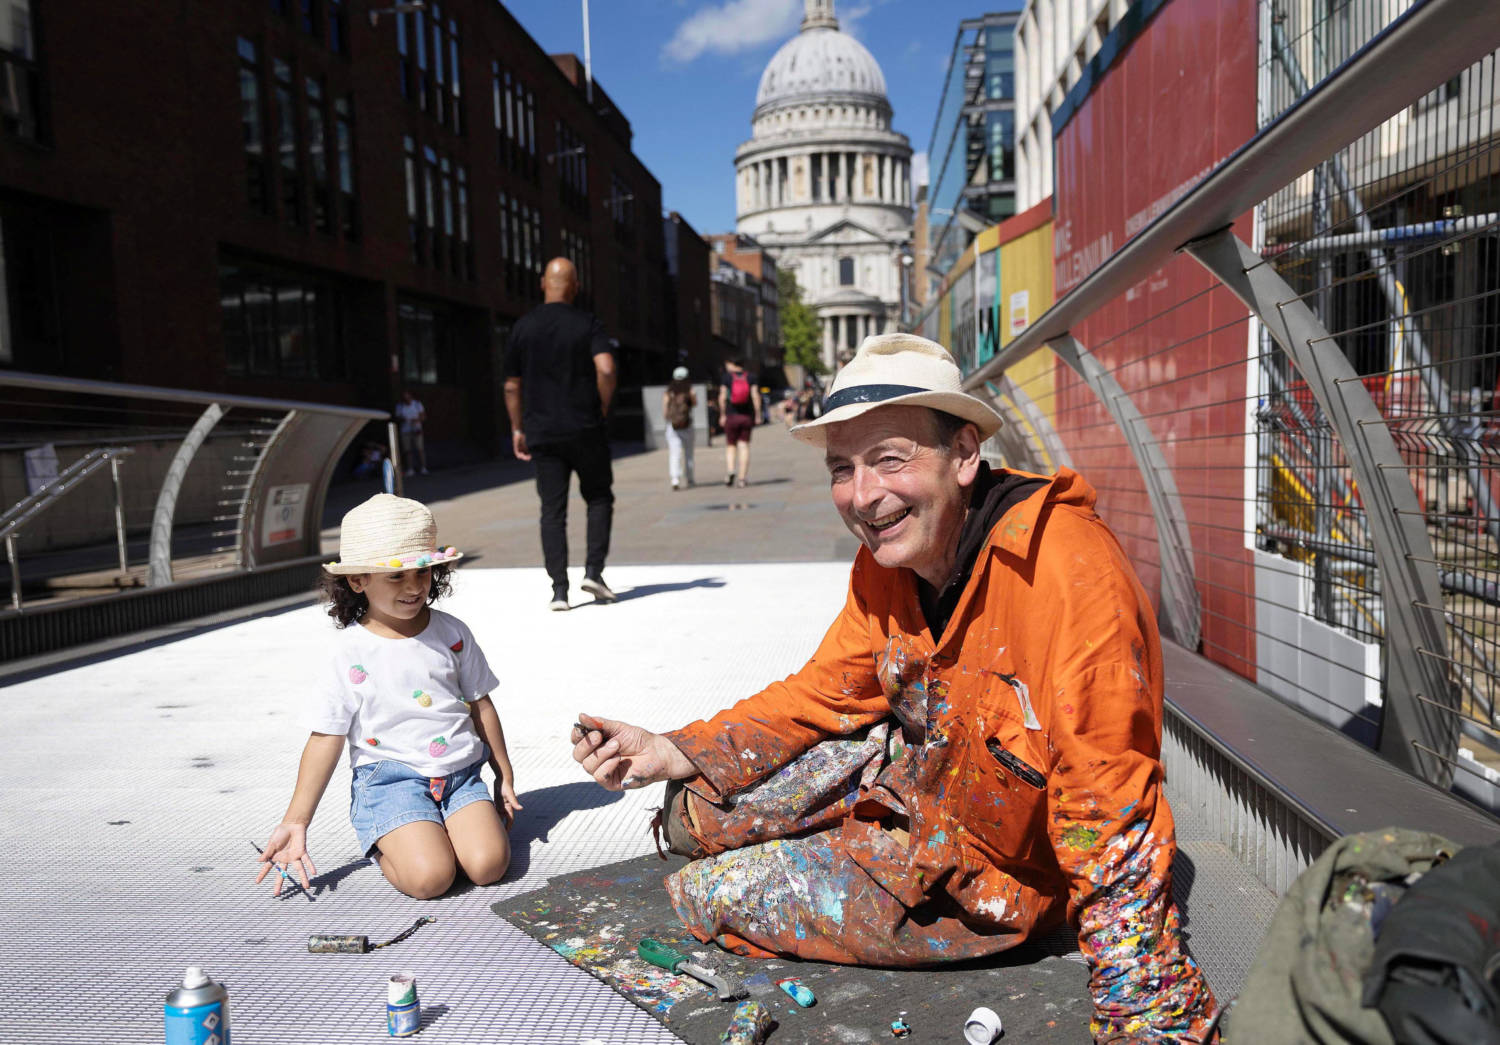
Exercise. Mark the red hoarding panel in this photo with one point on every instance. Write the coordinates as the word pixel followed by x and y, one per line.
pixel 1179 99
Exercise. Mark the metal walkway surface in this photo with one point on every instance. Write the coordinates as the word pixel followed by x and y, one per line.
pixel 139 781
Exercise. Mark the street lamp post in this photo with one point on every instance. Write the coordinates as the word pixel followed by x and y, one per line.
pixel 906 263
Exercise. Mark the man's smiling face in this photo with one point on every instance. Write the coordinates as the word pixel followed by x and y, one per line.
pixel 899 490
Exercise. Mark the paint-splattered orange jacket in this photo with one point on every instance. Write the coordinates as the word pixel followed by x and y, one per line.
pixel 1030 780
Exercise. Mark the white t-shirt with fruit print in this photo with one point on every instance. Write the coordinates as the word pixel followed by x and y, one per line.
pixel 405 700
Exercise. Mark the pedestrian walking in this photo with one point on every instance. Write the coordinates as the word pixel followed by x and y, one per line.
pixel 739 406
pixel 559 381
pixel 677 402
pixel 411 413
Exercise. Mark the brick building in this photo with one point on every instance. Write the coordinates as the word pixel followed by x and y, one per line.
pixel 690 335
pixel 325 200
pixel 746 305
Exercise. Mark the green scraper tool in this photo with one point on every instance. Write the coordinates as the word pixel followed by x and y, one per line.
pixel 664 957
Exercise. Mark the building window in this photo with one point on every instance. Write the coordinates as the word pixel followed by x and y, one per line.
pixel 404 58
pixel 280 323
pixel 515 122
pixel 572 161
pixel 343 116
pixel 576 248
pixel 428 355
pixel 413 217
pixel 338 27
pixel 286 145
pixel 444 92
pixel 317 156
pixel 999 66
pixel 449 239
pixel 464 263
pixel 621 205
pixel 253 129
pixel 438 83
pixel 846 272
pixel 1000 135
pixel 20 79
pixel 309 18
pixel 455 79
pixel 419 45
pixel 521 247
pixel 429 204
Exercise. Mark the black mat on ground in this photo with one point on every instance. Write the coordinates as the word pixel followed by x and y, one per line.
pixel 595 919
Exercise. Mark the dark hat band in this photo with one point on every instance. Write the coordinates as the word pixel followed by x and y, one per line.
pixel 868 394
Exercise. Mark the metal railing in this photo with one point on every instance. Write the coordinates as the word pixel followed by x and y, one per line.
pixel 49 495
pixel 1319 513
pixel 216 485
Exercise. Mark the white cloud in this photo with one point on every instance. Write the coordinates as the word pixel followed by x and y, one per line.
pixel 734 26
pixel 849 18
pixel 919 172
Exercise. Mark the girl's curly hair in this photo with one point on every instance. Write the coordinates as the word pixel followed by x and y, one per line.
pixel 345 605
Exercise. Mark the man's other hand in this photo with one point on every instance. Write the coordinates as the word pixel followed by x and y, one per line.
pixel 621 756
pixel 518 444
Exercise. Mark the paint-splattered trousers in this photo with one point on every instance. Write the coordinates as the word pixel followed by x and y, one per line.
pixel 760 894
pixel 805 864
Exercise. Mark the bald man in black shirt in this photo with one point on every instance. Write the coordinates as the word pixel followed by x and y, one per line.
pixel 559 381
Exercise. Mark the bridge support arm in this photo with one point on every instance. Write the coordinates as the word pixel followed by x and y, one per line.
pixel 1419 723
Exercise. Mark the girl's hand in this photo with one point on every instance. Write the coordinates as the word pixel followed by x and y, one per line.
pixel 506 802
pixel 286 846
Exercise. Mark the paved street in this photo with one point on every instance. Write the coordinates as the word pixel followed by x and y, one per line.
pixel 784 515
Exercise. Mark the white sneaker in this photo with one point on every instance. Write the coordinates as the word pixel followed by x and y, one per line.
pixel 596 587
pixel 559 602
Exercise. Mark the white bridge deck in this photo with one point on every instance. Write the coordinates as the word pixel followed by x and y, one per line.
pixel 138 782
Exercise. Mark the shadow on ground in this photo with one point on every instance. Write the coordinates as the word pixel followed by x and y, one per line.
pixel 641 591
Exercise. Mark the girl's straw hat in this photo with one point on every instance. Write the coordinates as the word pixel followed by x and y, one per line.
pixel 898 370
pixel 386 534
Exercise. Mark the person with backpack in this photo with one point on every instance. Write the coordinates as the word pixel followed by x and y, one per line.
pixel 739 406
pixel 677 402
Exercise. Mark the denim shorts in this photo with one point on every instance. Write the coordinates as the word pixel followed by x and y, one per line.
pixel 385 795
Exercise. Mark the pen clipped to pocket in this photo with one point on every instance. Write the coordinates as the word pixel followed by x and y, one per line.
pixel 1019 768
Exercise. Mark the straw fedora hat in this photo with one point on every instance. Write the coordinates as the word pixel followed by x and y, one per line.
pixel 386 534
pixel 898 370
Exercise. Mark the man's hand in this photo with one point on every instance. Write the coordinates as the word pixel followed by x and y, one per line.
pixel 621 756
pixel 518 444
pixel 286 846
pixel 506 802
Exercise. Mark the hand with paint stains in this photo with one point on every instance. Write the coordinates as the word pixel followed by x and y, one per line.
pixel 621 756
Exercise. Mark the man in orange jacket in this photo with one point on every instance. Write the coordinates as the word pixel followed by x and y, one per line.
pixel 973 753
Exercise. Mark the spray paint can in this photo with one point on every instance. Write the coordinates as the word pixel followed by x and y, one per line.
pixel 197 1012
pixel 403 1013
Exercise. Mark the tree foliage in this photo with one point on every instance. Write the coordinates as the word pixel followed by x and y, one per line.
pixel 801 336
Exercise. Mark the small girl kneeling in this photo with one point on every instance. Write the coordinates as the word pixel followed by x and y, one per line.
pixel 407 690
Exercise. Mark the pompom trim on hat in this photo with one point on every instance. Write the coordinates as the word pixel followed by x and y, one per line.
pixel 442 555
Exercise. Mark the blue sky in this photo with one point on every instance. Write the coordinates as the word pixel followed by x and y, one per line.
pixel 685 74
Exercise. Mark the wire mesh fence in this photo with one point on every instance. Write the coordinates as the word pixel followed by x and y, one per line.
pixel 1393 244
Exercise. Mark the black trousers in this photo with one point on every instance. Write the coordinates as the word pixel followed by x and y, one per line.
pixel 587 454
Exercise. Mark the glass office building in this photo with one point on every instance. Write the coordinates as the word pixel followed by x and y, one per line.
pixel 971 155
